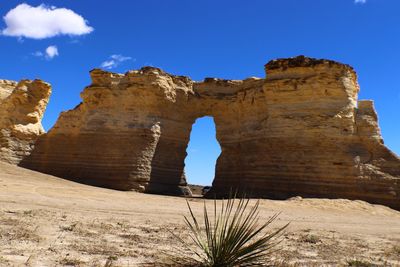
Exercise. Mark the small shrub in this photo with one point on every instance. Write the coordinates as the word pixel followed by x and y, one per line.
pixel 234 237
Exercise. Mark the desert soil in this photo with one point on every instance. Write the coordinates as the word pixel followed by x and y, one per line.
pixel 48 221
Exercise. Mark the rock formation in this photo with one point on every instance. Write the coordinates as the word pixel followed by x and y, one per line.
pixel 21 110
pixel 299 131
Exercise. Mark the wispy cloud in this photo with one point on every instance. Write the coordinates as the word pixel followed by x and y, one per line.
pixel 114 61
pixel 360 1
pixel 38 54
pixel 49 53
pixel 25 21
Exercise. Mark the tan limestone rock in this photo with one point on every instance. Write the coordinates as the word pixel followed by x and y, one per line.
pixel 22 106
pixel 301 131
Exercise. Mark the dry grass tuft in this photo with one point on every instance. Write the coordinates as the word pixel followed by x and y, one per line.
pixel 131 237
pixel 68 228
pixel 102 247
pixel 396 250
pixel 110 261
pixel 3 260
pixel 70 261
pixel 283 263
pixel 359 263
pixel 7 221
pixel 20 233
pixel 313 239
pixel 29 213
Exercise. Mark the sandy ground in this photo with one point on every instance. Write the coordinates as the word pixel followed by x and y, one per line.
pixel 47 221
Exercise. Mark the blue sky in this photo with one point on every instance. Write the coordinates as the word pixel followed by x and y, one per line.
pixel 228 39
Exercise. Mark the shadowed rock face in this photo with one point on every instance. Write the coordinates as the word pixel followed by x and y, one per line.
pixel 21 110
pixel 300 131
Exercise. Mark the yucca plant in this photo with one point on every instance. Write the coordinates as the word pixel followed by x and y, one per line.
pixel 233 237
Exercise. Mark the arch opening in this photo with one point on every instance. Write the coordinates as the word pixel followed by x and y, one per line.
pixel 202 153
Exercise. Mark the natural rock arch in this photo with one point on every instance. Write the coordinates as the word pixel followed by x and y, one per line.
pixel 299 131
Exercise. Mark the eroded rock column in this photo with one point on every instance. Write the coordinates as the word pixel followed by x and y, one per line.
pixel 22 106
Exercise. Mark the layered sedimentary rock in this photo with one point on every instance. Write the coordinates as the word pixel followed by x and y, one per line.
pixel 313 138
pixel 300 131
pixel 22 106
pixel 129 133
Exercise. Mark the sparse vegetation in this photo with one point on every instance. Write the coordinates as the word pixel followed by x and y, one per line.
pixel 3 260
pixel 313 239
pixel 234 237
pixel 119 237
pixel 295 264
pixel 359 263
pixel 396 249
pixel 99 247
pixel 70 261
pixel 68 228
pixel 110 261
pixel 21 232
pixel 112 258
pixel 28 212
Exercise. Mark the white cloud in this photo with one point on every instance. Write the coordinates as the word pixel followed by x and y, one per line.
pixel 49 53
pixel 114 61
pixel 43 22
pixel 360 1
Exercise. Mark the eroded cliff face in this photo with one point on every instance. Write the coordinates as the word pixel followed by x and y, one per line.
pixel 129 133
pixel 311 137
pixel 22 106
pixel 300 131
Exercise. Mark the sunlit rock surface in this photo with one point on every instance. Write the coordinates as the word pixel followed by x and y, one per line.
pixel 300 131
pixel 22 106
